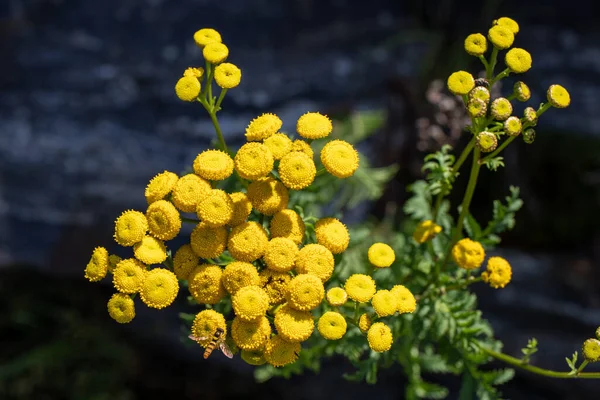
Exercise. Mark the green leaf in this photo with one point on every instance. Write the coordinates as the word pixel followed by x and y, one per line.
pixel 427 390
pixel 472 227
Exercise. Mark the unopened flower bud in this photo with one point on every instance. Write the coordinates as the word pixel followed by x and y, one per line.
pixel 501 108
pixel 482 82
pixel 530 116
pixel 513 126
pixel 521 91
pixel 591 350
pixel 529 135
pixel 476 108
pixel 480 93
pixel 487 141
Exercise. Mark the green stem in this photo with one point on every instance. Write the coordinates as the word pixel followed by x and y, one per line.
pixel 484 61
pixel 498 150
pixel 500 76
pixel 582 366
pixel 464 284
pixel 489 70
pixel 217 106
pixel 321 171
pixel 190 220
pixel 356 313
pixel 215 121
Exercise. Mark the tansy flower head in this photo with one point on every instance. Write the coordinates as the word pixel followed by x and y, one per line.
pixel 468 254
pixel 121 308
pixel 160 186
pixel 216 209
pixel 509 23
pixel 461 82
pixel 247 241
pixel 275 284
pixel 336 296
pixel 487 141
pixel 208 242
pixel 241 208
pixel 129 275
pixel 293 325
pixel 187 88
pixel 287 223
pixel 480 93
pixel 280 352
pixel 113 260
pixel 297 170
pixel 205 285
pixel 159 289
pixel 253 161
pixel 426 230
pixel 529 135
pixel 360 287
pixel 518 60
pixel 239 274
pixel 97 267
pixel 384 303
pixel 164 221
pixel 332 234
pixel 279 144
pixel 381 255
pixel 521 91
pixel 301 145
pixel 558 96
pixel 188 192
pixel 305 292
pixel 196 72
pixel 501 108
pixel 364 322
pixel 213 165
pixel 498 272
pixel 215 52
pixel 253 357
pixel 339 158
pixel 476 108
pixel 250 303
pixel 184 262
pixel 332 325
pixel 280 254
pixel 530 116
pixel 206 324
pixel 591 350
pixel 227 75
pixel 150 250
pixel 268 196
pixel 513 126
pixel 262 127
pixel 380 337
pixel 314 125
pixel 206 36
pixel 501 37
pixel 250 335
pixel 405 300
pixel 315 259
pixel 475 44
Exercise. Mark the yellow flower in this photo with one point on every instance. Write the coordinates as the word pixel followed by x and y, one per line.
pixel 360 287
pixel 332 325
pixel 297 170
pixel 247 241
pixel 250 303
pixel 206 324
pixel 280 254
pixel 501 108
pixel 513 126
pixel 279 144
pixel 476 108
pixel 591 350
pixel 159 289
pixel 521 91
pixel 364 322
pixel 239 274
pixel 293 325
pixel 558 96
pixel 250 335
pixel 475 44
pixel 150 250
pixel 339 158
pixel 487 141
pixel 480 93
pixel 262 127
pixel 316 260
pixel 164 221
pixel 160 186
pixel 509 23
pixel 404 299
pixel 97 267
pixel 498 272
pixel 213 165
pixel 253 357
pixel 305 292
pixel 121 308
pixel 129 275
pixel 468 254
pixel 530 116
pixel 188 192
pixel 253 161
pixel 381 255
pixel 384 303
pixel 501 37
pixel 206 36
pixel 274 283
pixel 380 337
pixel 332 234
pixel 280 352
pixel 529 135
pixel 196 72
pixel 268 196
pixel 336 296
pixel 130 228
pixel 227 75
pixel 287 223
pixel 113 260
pixel 461 82
pixel 184 262
pixel 215 52
pixel 518 60
pixel 301 145
pixel 216 209
pixel 314 125
pixel 426 230
pixel 187 88
pixel 241 208
pixel 204 284
pixel 208 242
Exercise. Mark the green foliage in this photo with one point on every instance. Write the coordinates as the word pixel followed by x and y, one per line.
pixel 440 175
pixel 529 350
pixel 494 163
pixel 572 363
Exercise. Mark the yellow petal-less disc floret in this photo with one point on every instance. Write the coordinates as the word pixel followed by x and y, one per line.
pixel 360 287
pixel 476 44
pixel 381 255
pixel 150 250
pixel 405 300
pixel 287 223
pixel 121 308
pixel 501 37
pixel 97 267
pixel 280 352
pixel 188 192
pixel 486 141
pixel 279 144
pixel 250 335
pixel 426 230
pixel 280 254
pixel 205 285
pixel 315 259
pixel 558 96
pixel 509 23
pixel 297 170
pixel 501 108
pixel 250 303
pixel 196 72
pixel 184 262
pixel 498 272
pixel 513 126
pixel 213 165
pixel 129 275
pixel 160 186
pixel 253 161
pixel 530 116
pixel 336 296
pixel 364 322
pixel 293 325
pixel 518 60
pixel 159 288
pixel 208 242
pixel 206 324
pixel 476 108
pixel 268 196
pixel 301 145
pixel 254 357
pixel 262 127
pixel 332 234
pixel 247 241
pixel 332 325
pixel 305 292
pixel 340 158
pixel 163 218
pixel 314 125
pixel 206 36
pixel 216 209
pixel 591 350
pixel 521 91
pixel 239 274
pixel 215 52
pixel 461 82
pixel 480 93
pixel 380 337
pixel 468 254
pixel 187 88
pixel 241 208
pixel 275 284
pixel 113 260
pixel 384 303
pixel 227 75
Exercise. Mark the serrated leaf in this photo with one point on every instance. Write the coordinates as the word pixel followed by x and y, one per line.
pixel 427 390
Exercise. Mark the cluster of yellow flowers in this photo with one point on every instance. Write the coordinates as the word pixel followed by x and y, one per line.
pixel 469 255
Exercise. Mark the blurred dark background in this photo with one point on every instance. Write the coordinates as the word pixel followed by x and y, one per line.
pixel 88 115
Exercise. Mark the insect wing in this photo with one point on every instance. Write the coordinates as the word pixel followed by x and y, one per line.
pixel 225 349
pixel 198 339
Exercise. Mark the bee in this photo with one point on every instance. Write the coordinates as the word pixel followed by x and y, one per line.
pixel 218 339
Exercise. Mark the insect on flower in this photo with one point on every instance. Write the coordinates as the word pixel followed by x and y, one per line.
pixel 218 339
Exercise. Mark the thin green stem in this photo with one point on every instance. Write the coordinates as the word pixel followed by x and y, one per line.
pixel 484 61
pixel 498 150
pixel 582 366
pixel 217 106
pixel 215 121
pixel 489 70
pixel 500 76
pixel 321 171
